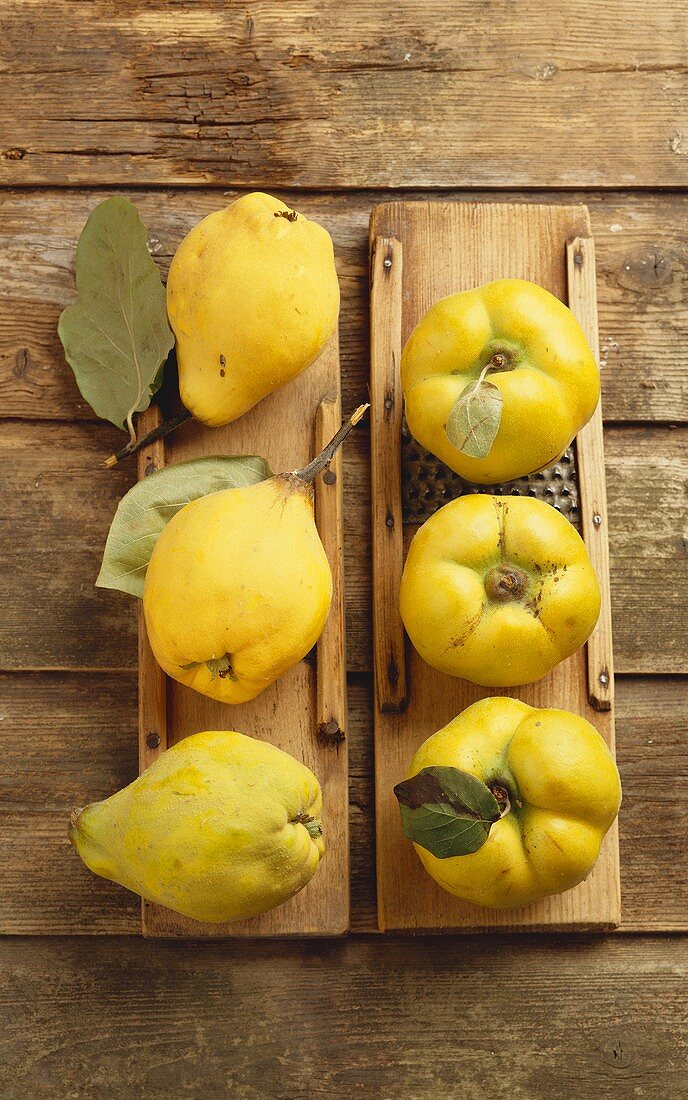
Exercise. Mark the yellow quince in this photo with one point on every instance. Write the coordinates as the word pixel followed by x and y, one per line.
pixel 253 299
pixel 219 828
pixel 508 804
pixel 498 590
pixel 498 380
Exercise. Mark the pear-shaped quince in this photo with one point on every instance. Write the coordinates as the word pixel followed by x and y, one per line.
pixel 219 828
pixel 253 299
pixel 239 587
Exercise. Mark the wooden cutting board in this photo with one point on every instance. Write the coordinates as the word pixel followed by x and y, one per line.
pixel 304 712
pixel 419 253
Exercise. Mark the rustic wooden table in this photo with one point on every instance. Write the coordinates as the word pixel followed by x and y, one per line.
pixel 179 102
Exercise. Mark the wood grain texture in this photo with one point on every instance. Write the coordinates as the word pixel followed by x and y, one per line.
pixel 263 93
pixel 642 269
pixel 371 1018
pixel 447 248
pixel 529 96
pixel 648 540
pixel 58 504
pixel 286 429
pixel 592 485
pixel 68 739
pixel 386 414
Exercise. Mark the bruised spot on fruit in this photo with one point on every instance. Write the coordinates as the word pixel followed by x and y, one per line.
pixel 223 363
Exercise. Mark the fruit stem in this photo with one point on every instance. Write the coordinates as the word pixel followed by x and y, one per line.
pixel 501 794
pixel 323 460
pixel 154 434
pixel 313 827
pixel 505 582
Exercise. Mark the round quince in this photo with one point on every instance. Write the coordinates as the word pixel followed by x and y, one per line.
pixel 498 590
pixel 498 380
pixel 508 804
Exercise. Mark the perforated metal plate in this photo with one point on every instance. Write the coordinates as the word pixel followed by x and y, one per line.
pixel 428 484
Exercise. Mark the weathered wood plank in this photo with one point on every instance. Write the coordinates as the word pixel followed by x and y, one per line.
pixel 59 504
pixel 67 739
pixel 530 96
pixel 642 266
pixel 647 479
pixel 652 753
pixel 372 1018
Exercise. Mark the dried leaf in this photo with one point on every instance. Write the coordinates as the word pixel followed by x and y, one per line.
pixel 145 510
pixel 447 811
pixel 473 423
pixel 116 336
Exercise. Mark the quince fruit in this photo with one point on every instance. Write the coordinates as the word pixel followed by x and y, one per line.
pixel 253 299
pixel 498 591
pixel 498 380
pixel 508 804
pixel 219 828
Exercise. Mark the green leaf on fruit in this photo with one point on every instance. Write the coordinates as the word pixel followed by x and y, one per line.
pixel 116 336
pixel 145 510
pixel 447 811
pixel 473 423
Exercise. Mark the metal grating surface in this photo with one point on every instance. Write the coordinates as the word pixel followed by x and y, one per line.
pixel 428 484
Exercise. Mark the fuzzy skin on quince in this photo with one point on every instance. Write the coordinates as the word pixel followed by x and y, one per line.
pixel 550 384
pixel 498 591
pixel 253 299
pixel 564 792
pixel 238 577
pixel 219 828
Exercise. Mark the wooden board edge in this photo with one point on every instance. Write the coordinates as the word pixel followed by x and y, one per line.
pixel 380 223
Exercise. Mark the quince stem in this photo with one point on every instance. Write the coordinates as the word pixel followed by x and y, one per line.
pixel 323 460
pixel 154 434
pixel 314 827
pixel 174 422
